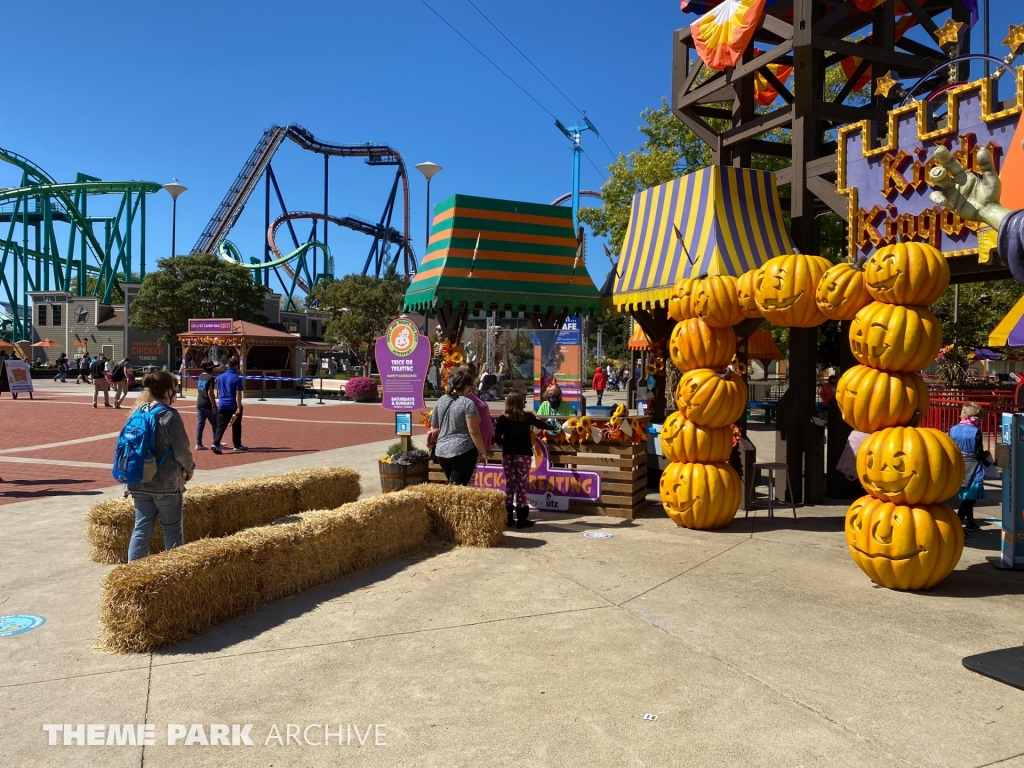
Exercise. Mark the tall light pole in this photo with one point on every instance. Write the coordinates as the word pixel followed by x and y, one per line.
pixel 174 189
pixel 429 170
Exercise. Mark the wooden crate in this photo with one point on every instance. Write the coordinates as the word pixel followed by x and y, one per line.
pixel 623 470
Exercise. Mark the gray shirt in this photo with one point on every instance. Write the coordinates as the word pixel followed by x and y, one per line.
pixel 450 416
pixel 170 433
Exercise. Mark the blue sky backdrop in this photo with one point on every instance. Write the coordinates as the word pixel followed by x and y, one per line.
pixel 129 90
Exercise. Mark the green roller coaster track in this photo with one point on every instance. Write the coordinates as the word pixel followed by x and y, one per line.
pixel 30 258
pixel 229 251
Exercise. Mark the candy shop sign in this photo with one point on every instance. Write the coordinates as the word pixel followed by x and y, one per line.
pixel 886 181
pixel 549 487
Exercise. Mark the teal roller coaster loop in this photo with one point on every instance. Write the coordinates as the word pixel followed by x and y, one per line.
pixel 100 247
pixel 229 251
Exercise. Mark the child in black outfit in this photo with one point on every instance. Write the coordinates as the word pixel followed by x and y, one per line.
pixel 514 433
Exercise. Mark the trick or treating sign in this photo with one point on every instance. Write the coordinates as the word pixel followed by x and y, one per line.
pixel 886 180
pixel 402 360
pixel 548 487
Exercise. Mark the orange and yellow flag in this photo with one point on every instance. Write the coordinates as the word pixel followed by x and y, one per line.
pixel 722 34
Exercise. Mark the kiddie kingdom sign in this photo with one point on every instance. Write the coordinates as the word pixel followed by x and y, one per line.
pixel 887 185
pixel 549 487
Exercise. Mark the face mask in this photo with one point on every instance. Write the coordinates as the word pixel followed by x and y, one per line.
pixel 555 401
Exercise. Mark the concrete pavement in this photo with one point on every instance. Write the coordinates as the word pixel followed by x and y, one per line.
pixel 757 645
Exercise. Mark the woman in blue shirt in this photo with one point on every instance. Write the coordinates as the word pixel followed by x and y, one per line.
pixel 967 436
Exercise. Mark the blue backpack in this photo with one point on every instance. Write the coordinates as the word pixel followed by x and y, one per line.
pixel 135 447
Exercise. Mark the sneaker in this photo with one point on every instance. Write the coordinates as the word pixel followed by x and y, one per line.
pixel 200 447
pixel 94 405
pixel 215 449
pixel 107 405
pixel 241 448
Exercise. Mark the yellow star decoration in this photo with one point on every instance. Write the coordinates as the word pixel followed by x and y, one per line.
pixel 885 84
pixel 1015 39
pixel 948 33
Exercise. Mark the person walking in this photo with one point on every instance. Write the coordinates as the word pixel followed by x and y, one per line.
pixel 83 370
pixel 229 407
pixel 99 382
pixel 600 382
pixel 967 436
pixel 119 378
pixel 62 368
pixel 161 496
pixel 514 433
pixel 206 403
pixel 459 441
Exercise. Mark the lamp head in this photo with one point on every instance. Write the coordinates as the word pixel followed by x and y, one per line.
pixel 428 169
pixel 175 189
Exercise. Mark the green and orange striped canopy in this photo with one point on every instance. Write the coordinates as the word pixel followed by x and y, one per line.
pixel 526 259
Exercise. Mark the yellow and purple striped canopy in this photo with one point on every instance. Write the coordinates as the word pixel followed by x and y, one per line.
pixel 718 220
pixel 1010 331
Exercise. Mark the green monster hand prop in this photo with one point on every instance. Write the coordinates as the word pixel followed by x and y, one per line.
pixel 964 193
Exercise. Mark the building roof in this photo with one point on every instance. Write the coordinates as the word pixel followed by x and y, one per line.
pixel 638 342
pixel 718 220
pixel 761 346
pixel 502 254
pixel 242 329
pixel 113 320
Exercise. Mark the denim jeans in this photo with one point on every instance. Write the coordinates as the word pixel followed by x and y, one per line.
pixel 204 415
pixel 147 508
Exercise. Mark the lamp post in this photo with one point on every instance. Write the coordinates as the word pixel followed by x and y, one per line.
pixel 174 189
pixel 429 170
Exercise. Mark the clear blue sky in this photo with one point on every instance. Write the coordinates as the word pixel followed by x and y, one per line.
pixel 154 90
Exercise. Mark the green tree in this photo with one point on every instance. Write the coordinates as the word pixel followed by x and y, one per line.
pixel 359 308
pixel 614 336
pixel 981 307
pixel 195 286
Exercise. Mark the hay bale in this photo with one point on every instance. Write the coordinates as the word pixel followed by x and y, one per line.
pixel 324 488
pixel 167 598
pixel 110 530
pixel 471 517
pixel 224 508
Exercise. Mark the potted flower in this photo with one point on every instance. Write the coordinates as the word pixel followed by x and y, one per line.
pixel 399 469
pixel 362 389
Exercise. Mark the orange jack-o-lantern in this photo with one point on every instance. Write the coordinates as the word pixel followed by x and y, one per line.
pixel 695 344
pixel 702 496
pixel 910 465
pixel 871 400
pixel 716 301
pixel 680 302
pixel 841 292
pixel 914 274
pixel 903 547
pixel 745 292
pixel 711 399
pixel 785 290
pixel 682 440
pixel 895 338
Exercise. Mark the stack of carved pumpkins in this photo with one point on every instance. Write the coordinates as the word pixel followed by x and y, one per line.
pixel 900 534
pixel 699 489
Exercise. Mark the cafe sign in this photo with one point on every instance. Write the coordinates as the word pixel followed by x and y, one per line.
pixel 886 180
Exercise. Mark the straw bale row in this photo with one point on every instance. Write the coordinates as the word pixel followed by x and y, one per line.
pixel 225 508
pixel 468 517
pixel 167 598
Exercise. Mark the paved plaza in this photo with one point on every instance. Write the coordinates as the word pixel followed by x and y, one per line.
pixel 757 645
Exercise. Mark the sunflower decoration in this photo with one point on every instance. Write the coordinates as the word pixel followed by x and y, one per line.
pixel 425 418
pixel 738 367
pixel 583 430
pixel 656 366
pixel 639 432
pixel 570 428
pixel 620 412
pixel 737 433
pixel 453 356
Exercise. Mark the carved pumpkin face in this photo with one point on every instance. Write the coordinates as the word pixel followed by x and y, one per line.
pixel 696 444
pixel 695 344
pixel 895 338
pixel 841 293
pixel 872 400
pixel 903 547
pixel 910 465
pixel 711 399
pixel 716 302
pixel 745 293
pixel 680 303
pixel 914 274
pixel 701 496
pixel 784 289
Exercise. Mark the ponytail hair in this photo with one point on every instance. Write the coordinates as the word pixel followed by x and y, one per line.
pixel 155 386
pixel 458 382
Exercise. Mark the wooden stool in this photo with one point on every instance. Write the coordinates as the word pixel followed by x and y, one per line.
pixel 771 467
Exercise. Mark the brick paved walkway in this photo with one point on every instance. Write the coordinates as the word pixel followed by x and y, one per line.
pixel 58 445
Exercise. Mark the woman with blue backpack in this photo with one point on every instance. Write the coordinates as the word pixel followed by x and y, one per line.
pixel 154 461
